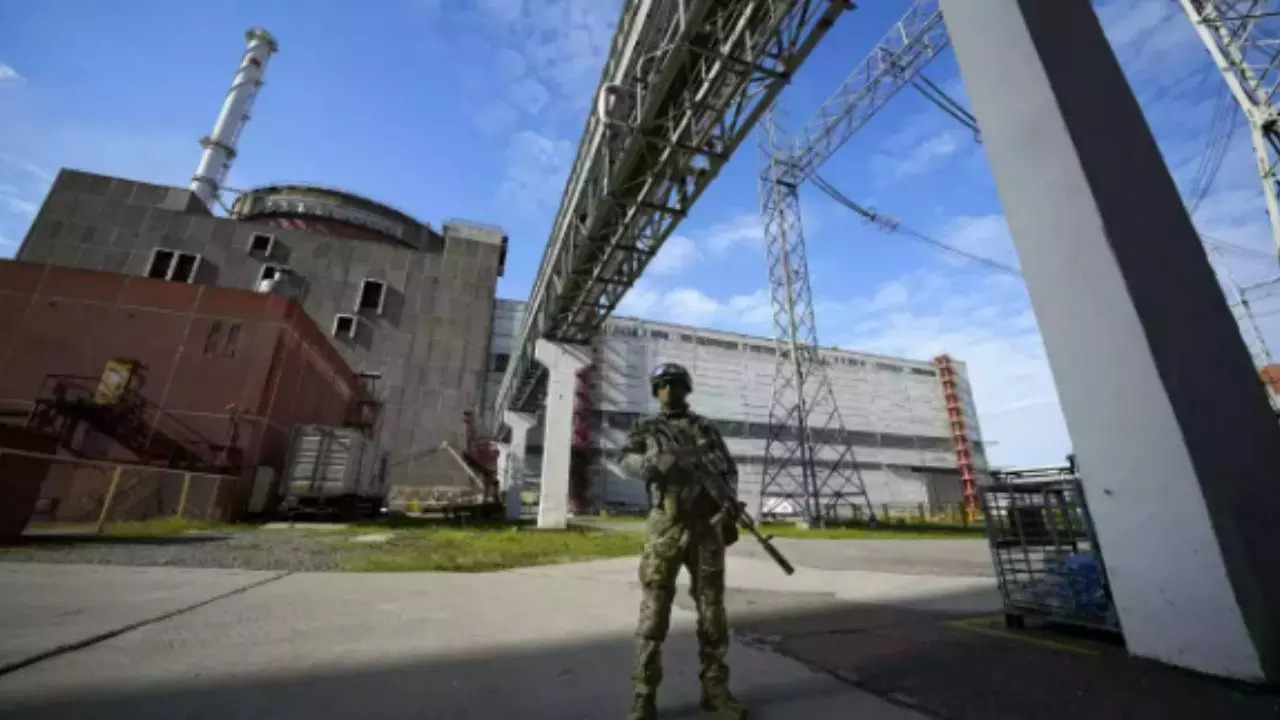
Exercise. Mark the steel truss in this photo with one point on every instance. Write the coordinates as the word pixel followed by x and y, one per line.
pixel 684 83
pixel 806 430
pixel 1243 39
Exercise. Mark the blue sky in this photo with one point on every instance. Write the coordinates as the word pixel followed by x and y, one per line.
pixel 473 109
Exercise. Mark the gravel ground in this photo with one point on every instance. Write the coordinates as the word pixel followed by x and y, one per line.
pixel 291 550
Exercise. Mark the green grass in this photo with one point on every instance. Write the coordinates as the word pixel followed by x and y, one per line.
pixel 484 548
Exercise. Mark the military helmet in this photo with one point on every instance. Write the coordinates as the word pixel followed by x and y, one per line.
pixel 669 372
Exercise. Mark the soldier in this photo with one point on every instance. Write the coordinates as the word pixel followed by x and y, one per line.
pixel 685 527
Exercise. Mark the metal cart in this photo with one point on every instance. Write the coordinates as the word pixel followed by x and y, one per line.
pixel 1045 553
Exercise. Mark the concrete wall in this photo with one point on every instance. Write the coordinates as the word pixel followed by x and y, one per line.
pixel 430 343
pixel 893 408
pixel 197 348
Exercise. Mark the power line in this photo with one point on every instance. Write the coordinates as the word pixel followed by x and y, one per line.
pixel 1264 289
pixel 1222 130
pixel 890 224
pixel 1227 245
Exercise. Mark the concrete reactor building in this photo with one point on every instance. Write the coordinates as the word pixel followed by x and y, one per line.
pixel 406 305
pixel 912 424
pixel 411 311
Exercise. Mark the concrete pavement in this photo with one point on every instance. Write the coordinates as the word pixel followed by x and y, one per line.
pixel 47 607
pixel 552 642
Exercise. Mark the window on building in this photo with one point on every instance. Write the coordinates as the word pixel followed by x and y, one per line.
pixel 344 326
pixel 184 267
pixel 888 366
pixel 214 338
pixel 902 442
pixel 261 244
pixel 500 361
pixel 173 265
pixel 862 439
pixel 716 342
pixel 372 295
pixel 686 338
pixel 268 272
pixel 923 371
pixel 233 340
pixel 161 259
pixel 659 334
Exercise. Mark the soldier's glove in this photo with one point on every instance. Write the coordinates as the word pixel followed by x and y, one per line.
pixel 723 521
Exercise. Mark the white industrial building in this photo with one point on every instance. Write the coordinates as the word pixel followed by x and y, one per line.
pixel 896 411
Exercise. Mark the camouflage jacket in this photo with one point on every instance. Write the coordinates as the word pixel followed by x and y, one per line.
pixel 676 488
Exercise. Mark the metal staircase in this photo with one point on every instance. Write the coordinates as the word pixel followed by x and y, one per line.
pixel 68 404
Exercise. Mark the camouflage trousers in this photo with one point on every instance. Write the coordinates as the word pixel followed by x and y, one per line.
pixel 668 546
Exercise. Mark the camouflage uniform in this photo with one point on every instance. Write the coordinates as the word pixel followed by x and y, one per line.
pixel 684 527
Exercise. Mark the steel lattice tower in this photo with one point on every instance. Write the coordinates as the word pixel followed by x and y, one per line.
pixel 808 455
pixel 1243 37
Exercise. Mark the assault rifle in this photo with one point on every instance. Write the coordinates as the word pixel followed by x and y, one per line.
pixel 712 472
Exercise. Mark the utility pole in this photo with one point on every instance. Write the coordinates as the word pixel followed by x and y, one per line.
pixel 1241 37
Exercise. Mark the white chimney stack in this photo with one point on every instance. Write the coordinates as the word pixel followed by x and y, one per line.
pixel 220 146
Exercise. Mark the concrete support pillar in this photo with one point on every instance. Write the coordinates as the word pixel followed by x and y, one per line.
pixel 563 362
pixel 1178 451
pixel 511 460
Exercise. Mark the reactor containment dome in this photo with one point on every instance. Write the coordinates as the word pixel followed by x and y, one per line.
pixel 331 212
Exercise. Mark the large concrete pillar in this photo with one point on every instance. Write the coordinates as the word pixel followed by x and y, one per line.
pixel 1178 451
pixel 563 362
pixel 511 460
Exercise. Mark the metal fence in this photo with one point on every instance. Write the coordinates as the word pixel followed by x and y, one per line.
pixel 1046 555
pixel 82 491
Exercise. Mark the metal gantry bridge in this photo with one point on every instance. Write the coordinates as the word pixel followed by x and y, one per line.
pixel 684 83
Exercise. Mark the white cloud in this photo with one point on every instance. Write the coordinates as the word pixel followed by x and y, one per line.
pixel 928 155
pixel 677 253
pixel 690 306
pixel 566 42
pixel 982 235
pixel 640 300
pixel 528 95
pixel 28 167
pixel 987 325
pixel 511 64
pixel 8 75
pixel 891 295
pixel 549 57
pixel 15 204
pixel 496 118
pixel 751 312
pixel 536 169
pixel 743 229
pixel 501 10
pixel 924 143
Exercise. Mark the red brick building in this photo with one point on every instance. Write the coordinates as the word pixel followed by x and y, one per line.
pixel 211 379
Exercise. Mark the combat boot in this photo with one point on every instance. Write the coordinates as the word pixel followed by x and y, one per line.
pixel 644 706
pixel 717 699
